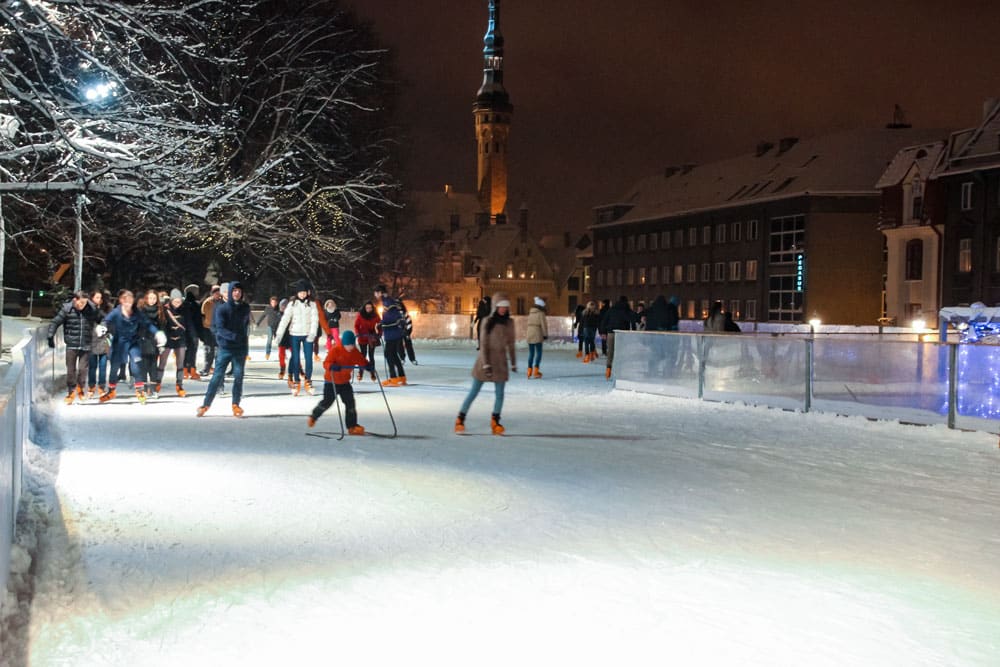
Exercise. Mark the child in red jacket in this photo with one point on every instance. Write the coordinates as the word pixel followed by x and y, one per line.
pixel 340 363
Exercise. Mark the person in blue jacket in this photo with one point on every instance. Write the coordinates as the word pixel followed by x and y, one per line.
pixel 393 328
pixel 230 324
pixel 127 325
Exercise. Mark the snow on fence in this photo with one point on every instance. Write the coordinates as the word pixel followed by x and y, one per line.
pixel 913 381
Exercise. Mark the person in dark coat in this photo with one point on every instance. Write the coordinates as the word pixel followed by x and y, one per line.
pixel 100 346
pixel 673 314
pixel 192 310
pixel 601 330
pixel 270 318
pixel 577 328
pixel 590 323
pixel 729 326
pixel 230 324
pixel 657 315
pixel 620 317
pixel 177 321
pixel 77 317
pixel 393 328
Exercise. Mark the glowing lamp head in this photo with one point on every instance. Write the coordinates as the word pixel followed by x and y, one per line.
pixel 919 324
pixel 815 322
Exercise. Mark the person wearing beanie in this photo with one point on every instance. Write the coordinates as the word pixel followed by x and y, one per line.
pixel 496 348
pixel 177 321
pixel 537 331
pixel 340 363
pixel 301 320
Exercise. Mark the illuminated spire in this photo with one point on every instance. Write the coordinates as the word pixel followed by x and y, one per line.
pixel 492 91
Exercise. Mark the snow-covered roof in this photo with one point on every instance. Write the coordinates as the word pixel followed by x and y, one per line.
pixel 974 148
pixel 923 156
pixel 848 162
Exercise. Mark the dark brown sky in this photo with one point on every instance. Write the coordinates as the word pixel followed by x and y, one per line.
pixel 605 93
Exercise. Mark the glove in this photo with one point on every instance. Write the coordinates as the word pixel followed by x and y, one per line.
pixel 100 330
pixel 52 342
pixel 160 338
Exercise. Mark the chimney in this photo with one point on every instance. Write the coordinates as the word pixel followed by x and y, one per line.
pixel 763 147
pixel 670 171
pixel 988 106
pixel 785 143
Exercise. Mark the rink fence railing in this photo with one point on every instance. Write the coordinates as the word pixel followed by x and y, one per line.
pixel 18 391
pixel 913 381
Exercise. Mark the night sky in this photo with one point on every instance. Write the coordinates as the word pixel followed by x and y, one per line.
pixel 605 93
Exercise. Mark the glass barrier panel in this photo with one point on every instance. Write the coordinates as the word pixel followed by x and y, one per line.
pixel 881 379
pixel 978 404
pixel 770 370
pixel 657 362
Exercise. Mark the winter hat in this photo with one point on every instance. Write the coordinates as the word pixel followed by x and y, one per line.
pixel 500 300
pixel 282 304
pixel 224 288
pixel 215 288
pixel 192 289
pixel 301 285
pixel 382 288
pixel 540 302
pixel 348 338
pixel 176 294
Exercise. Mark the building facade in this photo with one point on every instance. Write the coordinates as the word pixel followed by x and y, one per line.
pixel 787 233
pixel 940 215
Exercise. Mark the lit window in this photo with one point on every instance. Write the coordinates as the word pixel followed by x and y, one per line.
pixel 734 270
pixel 751 269
pixel 965 256
pixel 679 274
pixel 734 309
pixel 642 276
pixel 510 270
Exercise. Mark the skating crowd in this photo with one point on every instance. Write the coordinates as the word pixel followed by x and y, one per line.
pixel 107 344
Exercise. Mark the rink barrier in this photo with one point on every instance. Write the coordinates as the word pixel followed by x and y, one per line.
pixel 17 392
pixel 913 381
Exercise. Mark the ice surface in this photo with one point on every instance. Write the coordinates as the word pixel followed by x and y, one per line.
pixel 607 527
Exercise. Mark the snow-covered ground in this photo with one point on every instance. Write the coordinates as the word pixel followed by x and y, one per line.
pixel 606 527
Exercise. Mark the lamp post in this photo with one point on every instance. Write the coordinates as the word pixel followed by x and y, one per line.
pixel 98 93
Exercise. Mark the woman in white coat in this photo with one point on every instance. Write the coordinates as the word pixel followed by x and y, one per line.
pixel 301 319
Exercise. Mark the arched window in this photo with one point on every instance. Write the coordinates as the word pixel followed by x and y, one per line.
pixel 914 260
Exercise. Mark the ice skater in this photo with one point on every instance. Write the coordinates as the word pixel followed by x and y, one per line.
pixel 340 363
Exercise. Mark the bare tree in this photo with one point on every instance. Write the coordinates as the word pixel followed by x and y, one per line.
pixel 242 146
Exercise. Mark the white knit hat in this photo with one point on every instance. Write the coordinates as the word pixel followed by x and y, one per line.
pixel 540 302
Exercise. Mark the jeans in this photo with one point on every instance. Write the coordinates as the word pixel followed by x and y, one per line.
pixel 127 355
pixel 474 391
pixel 270 339
pixel 223 358
pixel 534 355
pixel 300 343
pixel 97 374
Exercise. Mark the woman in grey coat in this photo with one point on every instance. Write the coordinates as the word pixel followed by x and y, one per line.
pixel 496 347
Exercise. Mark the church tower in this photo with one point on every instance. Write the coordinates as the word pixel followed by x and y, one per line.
pixel 492 112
